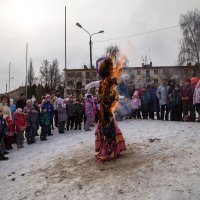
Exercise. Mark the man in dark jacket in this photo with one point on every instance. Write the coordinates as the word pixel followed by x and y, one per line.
pixel 78 113
pixel 187 92
pixel 3 130
pixel 70 113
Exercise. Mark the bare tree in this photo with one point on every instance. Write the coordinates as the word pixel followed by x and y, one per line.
pixel 44 70
pixel 190 43
pixel 31 74
pixel 54 75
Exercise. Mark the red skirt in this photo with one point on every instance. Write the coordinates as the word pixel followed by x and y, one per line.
pixel 108 149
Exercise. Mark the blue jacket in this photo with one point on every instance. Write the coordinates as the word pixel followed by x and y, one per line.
pixel 49 108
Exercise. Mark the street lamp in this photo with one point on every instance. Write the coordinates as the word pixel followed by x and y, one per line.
pixel 9 83
pixel 90 43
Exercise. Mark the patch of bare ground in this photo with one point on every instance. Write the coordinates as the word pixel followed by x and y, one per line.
pixel 80 174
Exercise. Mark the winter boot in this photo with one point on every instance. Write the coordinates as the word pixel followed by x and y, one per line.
pixel 2 157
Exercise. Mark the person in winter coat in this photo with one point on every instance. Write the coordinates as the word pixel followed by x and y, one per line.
pixel 78 113
pixel 70 113
pixel 145 102
pixel 44 123
pixel 5 107
pixel 89 111
pixel 49 109
pixel 21 103
pixel 136 105
pixel 62 115
pixel 3 130
pixel 51 114
pixel 9 138
pixel 28 106
pixel 154 105
pixel 12 108
pixel 176 104
pixel 162 95
pixel 187 92
pixel 196 99
pixel 20 125
pixel 33 125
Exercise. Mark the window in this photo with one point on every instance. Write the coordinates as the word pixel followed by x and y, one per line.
pixel 94 74
pixel 155 72
pixel 70 83
pixel 147 73
pixel 138 72
pixel 79 74
pixel 87 75
pixel 68 74
pixel 164 71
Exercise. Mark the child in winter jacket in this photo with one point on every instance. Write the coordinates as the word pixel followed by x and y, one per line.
pixel 89 111
pixel 187 92
pixel 196 99
pixel 9 139
pixel 20 125
pixel 3 130
pixel 176 104
pixel 33 125
pixel 45 123
pixel 136 105
pixel 62 115
pixel 145 102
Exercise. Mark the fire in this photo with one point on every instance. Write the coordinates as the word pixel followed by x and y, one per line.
pixel 118 67
pixel 115 74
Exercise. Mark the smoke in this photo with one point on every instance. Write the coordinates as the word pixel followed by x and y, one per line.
pixel 124 108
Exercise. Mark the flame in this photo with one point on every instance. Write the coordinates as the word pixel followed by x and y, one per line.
pixel 118 67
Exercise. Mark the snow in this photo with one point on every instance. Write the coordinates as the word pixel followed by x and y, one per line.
pixel 64 167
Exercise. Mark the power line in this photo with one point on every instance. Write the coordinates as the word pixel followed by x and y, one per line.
pixel 137 34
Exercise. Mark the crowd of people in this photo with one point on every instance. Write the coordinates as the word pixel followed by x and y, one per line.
pixel 29 118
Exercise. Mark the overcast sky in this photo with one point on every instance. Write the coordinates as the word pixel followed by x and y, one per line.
pixel 41 24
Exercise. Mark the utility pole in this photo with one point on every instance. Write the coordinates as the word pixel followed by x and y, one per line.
pixel 65 42
pixel 26 67
pixel 65 84
pixel 9 78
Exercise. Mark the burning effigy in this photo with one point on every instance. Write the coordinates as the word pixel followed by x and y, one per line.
pixel 109 141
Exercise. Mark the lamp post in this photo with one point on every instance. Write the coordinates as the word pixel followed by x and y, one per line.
pixel 9 84
pixel 90 43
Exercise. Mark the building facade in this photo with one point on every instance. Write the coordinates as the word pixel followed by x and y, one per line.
pixel 75 79
pixel 15 94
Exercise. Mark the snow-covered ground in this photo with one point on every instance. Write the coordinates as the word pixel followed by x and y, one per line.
pixel 64 167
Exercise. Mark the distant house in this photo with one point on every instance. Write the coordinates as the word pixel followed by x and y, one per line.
pixel 15 94
pixel 76 78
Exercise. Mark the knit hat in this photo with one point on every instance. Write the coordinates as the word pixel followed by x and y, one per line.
pixel 195 80
pixel 18 110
